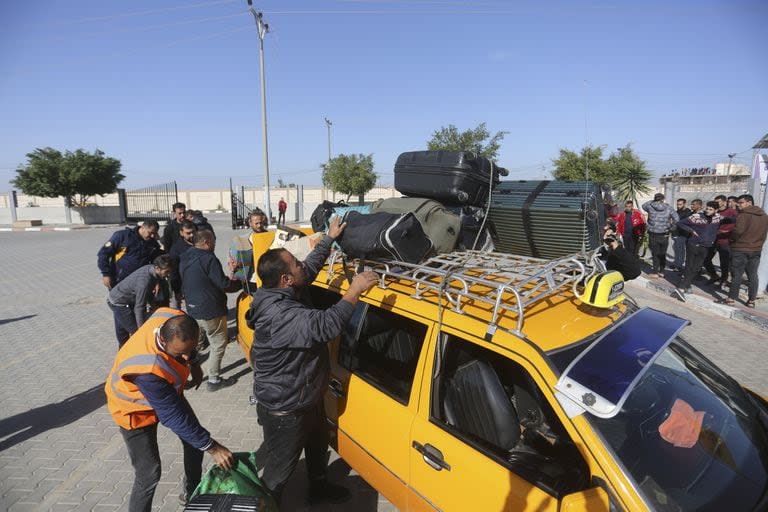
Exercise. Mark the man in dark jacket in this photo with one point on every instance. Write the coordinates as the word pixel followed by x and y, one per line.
pixel 291 364
pixel 126 250
pixel 186 240
pixel 679 239
pixel 722 246
pixel 747 239
pixel 204 286
pixel 172 229
pixel 661 218
pixel 617 258
pixel 703 229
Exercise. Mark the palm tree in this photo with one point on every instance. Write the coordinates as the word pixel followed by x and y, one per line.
pixel 630 178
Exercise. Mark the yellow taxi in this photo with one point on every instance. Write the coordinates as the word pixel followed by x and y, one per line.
pixel 485 381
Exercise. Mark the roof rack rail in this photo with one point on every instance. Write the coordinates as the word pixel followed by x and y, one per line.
pixel 483 278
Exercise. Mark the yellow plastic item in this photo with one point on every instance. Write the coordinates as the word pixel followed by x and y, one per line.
pixel 604 290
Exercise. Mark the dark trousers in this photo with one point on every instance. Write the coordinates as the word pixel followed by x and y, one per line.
pixel 658 243
pixel 125 322
pixel 145 459
pixel 285 436
pixel 281 217
pixel 740 262
pixel 695 255
pixel 632 243
pixel 724 254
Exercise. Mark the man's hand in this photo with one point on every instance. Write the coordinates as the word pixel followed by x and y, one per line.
pixel 196 375
pixel 221 455
pixel 336 228
pixel 107 280
pixel 362 283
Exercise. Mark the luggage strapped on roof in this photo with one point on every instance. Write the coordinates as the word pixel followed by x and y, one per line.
pixel 457 275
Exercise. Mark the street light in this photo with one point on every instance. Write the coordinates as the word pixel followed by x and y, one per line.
pixel 730 159
pixel 328 124
pixel 262 29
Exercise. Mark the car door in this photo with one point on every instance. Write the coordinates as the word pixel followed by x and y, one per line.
pixel 373 394
pixel 475 438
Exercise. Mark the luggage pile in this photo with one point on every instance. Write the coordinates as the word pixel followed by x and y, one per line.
pixel 547 219
pixel 447 192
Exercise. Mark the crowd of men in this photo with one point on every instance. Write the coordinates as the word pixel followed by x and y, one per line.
pixel 168 301
pixel 733 228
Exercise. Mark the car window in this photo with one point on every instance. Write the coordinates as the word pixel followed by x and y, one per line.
pixel 382 348
pixel 491 403
pixel 690 436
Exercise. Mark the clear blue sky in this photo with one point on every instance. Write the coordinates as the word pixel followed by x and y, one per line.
pixel 171 88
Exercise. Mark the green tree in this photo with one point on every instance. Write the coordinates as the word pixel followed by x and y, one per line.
pixel 623 171
pixel 630 175
pixel 479 140
pixel 349 174
pixel 75 175
pixel 573 166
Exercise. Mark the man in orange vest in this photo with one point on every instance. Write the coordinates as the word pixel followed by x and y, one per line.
pixel 145 387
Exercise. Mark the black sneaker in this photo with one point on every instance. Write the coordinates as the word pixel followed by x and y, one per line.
pixel 328 493
pixel 680 293
pixel 219 384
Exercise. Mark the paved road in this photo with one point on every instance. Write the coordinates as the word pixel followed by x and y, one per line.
pixel 59 448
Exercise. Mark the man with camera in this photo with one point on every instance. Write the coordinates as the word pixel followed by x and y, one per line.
pixel 617 258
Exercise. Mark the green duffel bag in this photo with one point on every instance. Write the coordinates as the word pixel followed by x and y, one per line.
pixel 441 225
pixel 239 488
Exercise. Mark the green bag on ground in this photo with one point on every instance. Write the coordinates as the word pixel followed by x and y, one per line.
pixel 241 480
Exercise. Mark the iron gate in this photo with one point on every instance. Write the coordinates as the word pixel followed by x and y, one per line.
pixel 151 203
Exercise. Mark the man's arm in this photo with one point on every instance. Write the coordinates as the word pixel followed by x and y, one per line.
pixel 141 298
pixel 105 257
pixel 685 225
pixel 216 274
pixel 174 412
pixel 302 326
pixel 741 226
pixel 647 206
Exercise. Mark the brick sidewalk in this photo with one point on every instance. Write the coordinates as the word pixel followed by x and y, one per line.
pixel 60 449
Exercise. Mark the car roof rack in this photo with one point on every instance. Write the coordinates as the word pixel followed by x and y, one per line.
pixel 505 282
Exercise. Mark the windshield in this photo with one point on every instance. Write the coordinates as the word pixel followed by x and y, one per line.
pixel 690 436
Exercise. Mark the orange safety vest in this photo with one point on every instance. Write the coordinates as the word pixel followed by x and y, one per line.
pixel 140 355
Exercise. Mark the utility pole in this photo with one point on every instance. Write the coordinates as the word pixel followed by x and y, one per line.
pixel 262 29
pixel 328 125
pixel 730 160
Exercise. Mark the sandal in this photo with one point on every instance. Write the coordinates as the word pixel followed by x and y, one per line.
pixel 727 301
pixel 750 304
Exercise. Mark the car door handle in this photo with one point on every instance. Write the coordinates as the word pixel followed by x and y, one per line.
pixel 432 456
pixel 335 387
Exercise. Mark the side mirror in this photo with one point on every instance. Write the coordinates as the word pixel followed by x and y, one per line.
pixel 590 500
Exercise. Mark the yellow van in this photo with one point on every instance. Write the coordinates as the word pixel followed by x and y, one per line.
pixel 485 381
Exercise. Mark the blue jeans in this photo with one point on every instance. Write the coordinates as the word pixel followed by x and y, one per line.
pixel 125 322
pixel 740 262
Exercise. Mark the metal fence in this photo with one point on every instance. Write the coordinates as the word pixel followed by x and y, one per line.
pixel 150 203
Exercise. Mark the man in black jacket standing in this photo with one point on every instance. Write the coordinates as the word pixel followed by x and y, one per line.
pixel 291 364
pixel 204 286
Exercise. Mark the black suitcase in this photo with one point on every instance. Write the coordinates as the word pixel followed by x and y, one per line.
pixel 455 178
pixel 385 236
pixel 547 219
pixel 321 214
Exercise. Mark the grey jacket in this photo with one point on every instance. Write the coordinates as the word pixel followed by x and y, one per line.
pixel 661 216
pixel 135 291
pixel 290 342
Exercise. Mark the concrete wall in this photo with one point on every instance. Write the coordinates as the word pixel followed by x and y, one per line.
pixel 58 215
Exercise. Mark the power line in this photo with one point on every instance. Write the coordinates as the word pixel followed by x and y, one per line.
pixel 136 13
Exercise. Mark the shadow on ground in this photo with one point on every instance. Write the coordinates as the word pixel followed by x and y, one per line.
pixel 29 424
pixel 15 319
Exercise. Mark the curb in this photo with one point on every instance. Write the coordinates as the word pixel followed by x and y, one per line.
pixel 705 303
pixel 71 227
